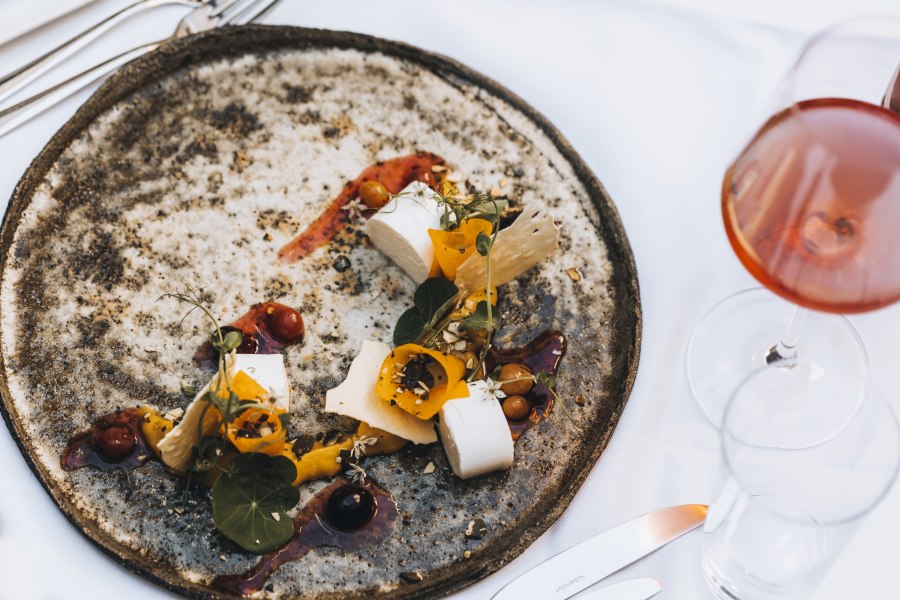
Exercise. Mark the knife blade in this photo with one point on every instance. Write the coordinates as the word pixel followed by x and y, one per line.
pixel 582 565
pixel 633 589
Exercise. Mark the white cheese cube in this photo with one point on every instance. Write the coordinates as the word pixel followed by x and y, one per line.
pixel 269 372
pixel 475 433
pixel 400 229
pixel 356 398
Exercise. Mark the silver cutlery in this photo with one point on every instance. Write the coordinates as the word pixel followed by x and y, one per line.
pixel 633 589
pixel 582 565
pixel 15 81
pixel 203 18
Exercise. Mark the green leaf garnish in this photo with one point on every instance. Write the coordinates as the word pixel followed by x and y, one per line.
pixel 285 419
pixel 483 244
pixel 232 340
pixel 434 297
pixel 481 319
pixel 246 497
pixel 546 379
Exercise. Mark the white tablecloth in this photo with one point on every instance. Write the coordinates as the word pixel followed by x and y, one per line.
pixel 655 95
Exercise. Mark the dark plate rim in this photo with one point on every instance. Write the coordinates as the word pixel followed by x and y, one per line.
pixel 235 41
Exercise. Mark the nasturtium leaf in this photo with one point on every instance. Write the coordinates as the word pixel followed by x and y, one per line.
pixel 479 320
pixel 254 488
pixel 434 297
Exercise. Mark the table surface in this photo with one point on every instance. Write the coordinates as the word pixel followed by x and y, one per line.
pixel 655 96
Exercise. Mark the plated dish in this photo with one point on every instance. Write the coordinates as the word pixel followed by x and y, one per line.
pixel 199 164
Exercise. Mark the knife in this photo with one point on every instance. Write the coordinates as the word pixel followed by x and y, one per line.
pixel 582 565
pixel 634 589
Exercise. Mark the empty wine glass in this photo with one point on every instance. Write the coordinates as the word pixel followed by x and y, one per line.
pixel 803 461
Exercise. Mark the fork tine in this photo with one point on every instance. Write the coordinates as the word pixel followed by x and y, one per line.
pixel 219 7
pixel 227 10
pixel 255 9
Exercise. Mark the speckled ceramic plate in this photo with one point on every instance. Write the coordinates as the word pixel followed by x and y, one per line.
pixel 197 163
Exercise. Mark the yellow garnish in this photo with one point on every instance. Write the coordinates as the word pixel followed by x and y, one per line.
pixel 268 431
pixel 245 388
pixel 452 248
pixel 447 375
pixel 154 428
pixel 386 443
pixel 318 463
pixel 471 302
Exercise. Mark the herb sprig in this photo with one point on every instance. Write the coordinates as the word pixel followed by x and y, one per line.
pixel 254 491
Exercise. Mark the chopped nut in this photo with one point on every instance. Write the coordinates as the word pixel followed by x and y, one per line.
pixel 438 168
pixel 222 557
pixel 174 414
pixel 467 554
pixel 429 468
pixel 150 350
pixel 574 274
pixel 179 509
pixel 580 400
pixel 276 516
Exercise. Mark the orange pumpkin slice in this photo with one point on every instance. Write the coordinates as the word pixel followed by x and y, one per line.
pixel 447 372
pixel 452 248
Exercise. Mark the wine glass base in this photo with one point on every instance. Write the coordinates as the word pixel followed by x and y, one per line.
pixel 736 335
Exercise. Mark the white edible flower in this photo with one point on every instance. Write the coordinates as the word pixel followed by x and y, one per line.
pixel 359 446
pixel 355 209
pixel 492 389
pixel 356 474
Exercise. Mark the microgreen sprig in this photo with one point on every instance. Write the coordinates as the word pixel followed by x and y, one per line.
pixel 209 448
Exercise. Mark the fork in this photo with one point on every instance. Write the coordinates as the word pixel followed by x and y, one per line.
pixel 202 18
pixel 15 81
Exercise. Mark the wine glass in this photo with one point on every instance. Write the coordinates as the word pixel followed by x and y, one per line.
pixel 802 464
pixel 811 206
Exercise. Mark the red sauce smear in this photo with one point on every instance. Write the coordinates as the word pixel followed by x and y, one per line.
pixel 264 331
pixel 312 531
pixel 394 174
pixel 88 448
pixel 541 355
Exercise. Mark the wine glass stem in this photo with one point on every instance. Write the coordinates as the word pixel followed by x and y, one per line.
pixel 786 348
